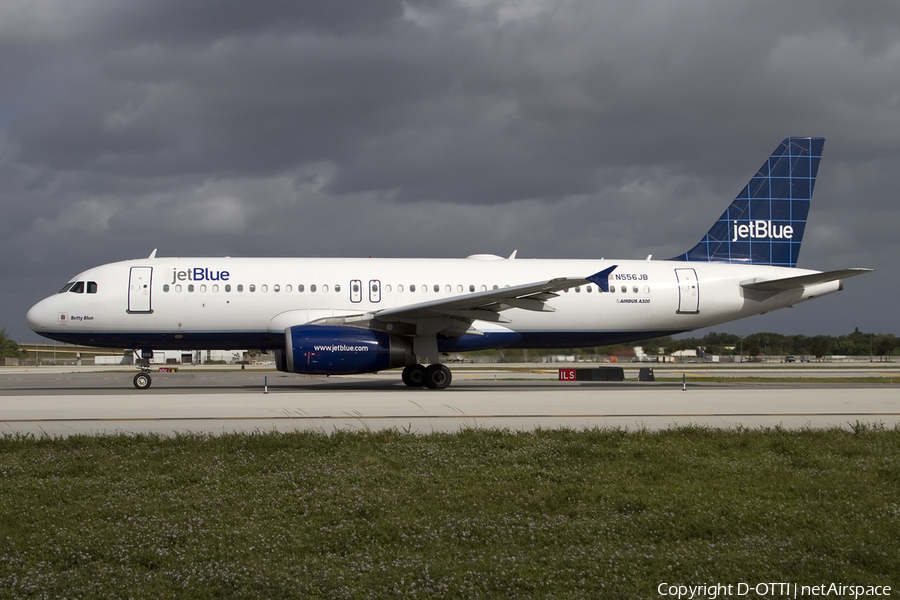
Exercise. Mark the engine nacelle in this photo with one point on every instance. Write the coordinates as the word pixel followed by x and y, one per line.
pixel 341 350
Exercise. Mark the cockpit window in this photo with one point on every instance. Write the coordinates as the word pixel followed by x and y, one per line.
pixel 66 287
pixel 77 288
pixel 91 287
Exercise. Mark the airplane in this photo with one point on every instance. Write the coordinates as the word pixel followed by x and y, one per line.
pixel 338 316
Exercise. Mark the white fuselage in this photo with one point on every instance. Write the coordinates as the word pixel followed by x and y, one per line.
pixel 231 303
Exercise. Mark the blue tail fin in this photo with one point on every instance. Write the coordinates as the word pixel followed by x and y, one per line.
pixel 765 223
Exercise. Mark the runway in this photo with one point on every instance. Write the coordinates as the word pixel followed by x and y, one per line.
pixel 65 403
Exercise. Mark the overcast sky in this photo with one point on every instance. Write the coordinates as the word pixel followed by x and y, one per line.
pixel 578 129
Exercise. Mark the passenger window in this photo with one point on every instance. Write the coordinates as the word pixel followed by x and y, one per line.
pixel 496 287
pixel 240 287
pixel 300 287
pixel 356 288
pixel 325 288
pixel 191 287
pixel 177 287
pixel 252 287
pixel 635 289
pixel 471 288
pixel 263 288
pixel 166 288
pixel 227 287
pixel 387 288
pixel 66 287
pixel 287 289
pixel 459 288
pixel 276 288
pixel 577 289
pixel 77 288
pixel 588 289
pixel 412 287
pixel 215 287
pixel 624 289
pixel 337 287
pixel 646 289
pixel 484 288
pixel 92 287
pixel 612 289
pixel 424 287
pixel 203 287
pixel 312 288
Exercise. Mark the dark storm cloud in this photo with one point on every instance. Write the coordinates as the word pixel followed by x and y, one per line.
pixel 434 128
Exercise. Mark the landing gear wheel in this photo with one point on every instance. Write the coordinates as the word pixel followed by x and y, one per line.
pixel 437 377
pixel 414 376
pixel 142 381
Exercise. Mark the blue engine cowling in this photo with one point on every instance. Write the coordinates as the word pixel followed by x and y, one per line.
pixel 341 350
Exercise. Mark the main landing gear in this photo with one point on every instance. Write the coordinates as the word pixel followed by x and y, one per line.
pixel 434 377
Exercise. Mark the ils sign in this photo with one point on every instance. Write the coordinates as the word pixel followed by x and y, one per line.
pixel 567 374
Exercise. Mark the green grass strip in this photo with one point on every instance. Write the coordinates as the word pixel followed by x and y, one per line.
pixel 478 514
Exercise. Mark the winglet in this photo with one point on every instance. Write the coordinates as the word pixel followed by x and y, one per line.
pixel 602 278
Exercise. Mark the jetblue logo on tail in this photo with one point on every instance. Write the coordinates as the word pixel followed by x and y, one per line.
pixel 762 230
pixel 764 224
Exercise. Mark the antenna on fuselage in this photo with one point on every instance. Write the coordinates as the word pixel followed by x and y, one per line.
pixel 152 254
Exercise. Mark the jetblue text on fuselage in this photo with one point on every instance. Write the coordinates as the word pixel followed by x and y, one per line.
pixel 199 274
pixel 762 230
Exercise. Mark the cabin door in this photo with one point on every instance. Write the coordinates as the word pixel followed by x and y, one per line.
pixel 139 280
pixel 688 292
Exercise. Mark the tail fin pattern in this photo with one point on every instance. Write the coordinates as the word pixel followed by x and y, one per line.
pixel 765 223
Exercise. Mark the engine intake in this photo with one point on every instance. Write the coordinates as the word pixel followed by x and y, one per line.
pixel 341 350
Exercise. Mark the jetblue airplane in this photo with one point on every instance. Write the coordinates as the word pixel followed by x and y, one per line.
pixel 331 316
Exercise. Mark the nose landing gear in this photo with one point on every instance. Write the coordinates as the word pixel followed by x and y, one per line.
pixel 142 380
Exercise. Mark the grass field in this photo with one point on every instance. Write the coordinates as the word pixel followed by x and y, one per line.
pixel 478 514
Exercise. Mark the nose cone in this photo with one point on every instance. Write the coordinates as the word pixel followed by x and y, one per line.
pixel 37 317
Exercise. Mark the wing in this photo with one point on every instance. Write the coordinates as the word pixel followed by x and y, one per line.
pixel 454 316
pixel 801 281
pixel 486 305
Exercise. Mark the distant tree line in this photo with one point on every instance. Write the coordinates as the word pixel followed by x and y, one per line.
pixel 8 348
pixel 857 343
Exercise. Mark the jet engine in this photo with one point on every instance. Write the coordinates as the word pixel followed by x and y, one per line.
pixel 341 350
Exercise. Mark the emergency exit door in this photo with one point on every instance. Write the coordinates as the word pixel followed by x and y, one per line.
pixel 688 292
pixel 139 280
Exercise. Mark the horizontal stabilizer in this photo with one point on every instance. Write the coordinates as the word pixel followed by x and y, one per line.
pixel 801 281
